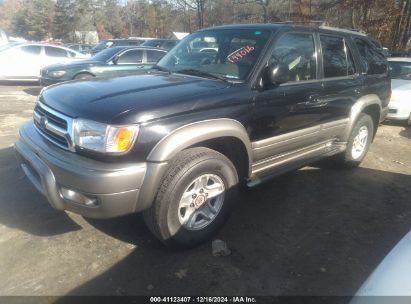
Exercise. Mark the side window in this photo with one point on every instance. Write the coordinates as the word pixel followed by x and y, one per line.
pixel 131 57
pixel 337 58
pixel 373 59
pixel 154 56
pixel 55 52
pixel 169 45
pixel 297 52
pixel 31 49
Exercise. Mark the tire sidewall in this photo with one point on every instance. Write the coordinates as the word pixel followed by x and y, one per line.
pixel 171 227
pixel 363 120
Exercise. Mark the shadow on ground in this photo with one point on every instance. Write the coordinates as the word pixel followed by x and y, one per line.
pixel 311 232
pixel 406 132
pixel 18 83
pixel 22 207
pixel 35 91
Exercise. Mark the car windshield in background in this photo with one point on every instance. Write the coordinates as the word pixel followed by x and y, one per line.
pixel 106 54
pixel 153 43
pixel 400 70
pixel 8 45
pixel 102 45
pixel 228 54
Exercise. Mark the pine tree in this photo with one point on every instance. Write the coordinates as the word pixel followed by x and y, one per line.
pixel 64 19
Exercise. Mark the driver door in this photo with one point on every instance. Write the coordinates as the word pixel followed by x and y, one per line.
pixel 288 115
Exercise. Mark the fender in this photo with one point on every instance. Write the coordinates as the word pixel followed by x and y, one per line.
pixel 197 132
pixel 180 139
pixel 357 108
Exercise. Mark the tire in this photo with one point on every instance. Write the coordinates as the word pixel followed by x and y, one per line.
pixel 83 76
pixel 169 221
pixel 352 157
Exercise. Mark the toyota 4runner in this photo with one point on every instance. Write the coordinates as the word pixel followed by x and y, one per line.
pixel 177 141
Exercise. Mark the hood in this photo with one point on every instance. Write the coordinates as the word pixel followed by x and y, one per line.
pixel 73 64
pixel 132 99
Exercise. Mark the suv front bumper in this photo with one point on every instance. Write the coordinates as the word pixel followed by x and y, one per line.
pixel 72 182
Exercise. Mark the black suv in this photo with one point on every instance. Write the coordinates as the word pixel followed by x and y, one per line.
pixel 177 141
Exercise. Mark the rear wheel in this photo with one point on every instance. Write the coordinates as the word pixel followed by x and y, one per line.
pixel 358 142
pixel 194 198
pixel 83 76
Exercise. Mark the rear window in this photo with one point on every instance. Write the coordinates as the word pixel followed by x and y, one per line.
pixel 372 57
pixel 337 58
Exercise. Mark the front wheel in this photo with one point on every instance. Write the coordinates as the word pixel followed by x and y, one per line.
pixel 194 198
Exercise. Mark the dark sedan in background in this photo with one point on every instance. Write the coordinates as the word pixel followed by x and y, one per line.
pixel 82 48
pixel 110 43
pixel 116 61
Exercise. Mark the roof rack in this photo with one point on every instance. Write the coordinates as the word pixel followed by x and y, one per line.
pixel 325 26
pixel 350 31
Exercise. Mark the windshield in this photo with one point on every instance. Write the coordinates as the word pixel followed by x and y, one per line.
pixel 228 54
pixel 106 54
pixel 400 70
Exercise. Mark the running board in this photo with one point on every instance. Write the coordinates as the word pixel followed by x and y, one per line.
pixel 274 166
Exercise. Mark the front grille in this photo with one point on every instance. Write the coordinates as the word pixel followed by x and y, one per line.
pixel 392 111
pixel 58 121
pixel 53 125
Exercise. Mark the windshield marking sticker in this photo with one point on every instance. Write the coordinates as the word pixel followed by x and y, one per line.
pixel 240 53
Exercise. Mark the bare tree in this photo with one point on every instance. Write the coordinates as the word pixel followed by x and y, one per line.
pixel 198 6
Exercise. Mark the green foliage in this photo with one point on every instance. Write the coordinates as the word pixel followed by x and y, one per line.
pixel 35 20
pixel 386 20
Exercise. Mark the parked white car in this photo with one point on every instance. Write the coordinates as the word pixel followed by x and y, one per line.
pixel 3 37
pixel 23 61
pixel 399 107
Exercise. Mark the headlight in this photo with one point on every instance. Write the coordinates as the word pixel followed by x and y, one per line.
pixel 57 74
pixel 104 138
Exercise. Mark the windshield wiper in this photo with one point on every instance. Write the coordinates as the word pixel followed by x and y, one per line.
pixel 201 74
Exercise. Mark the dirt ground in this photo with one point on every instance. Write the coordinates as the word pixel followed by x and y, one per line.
pixel 315 231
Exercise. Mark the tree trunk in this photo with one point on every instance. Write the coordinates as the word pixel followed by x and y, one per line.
pixel 406 35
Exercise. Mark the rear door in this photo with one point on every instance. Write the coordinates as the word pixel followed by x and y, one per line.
pixel 341 83
pixel 374 69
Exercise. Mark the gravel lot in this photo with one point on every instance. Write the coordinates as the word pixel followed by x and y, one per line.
pixel 315 231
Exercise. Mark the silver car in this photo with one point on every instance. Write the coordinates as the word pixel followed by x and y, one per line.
pixel 23 61
pixel 399 107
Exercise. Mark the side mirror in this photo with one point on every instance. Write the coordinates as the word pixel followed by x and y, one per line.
pixel 115 60
pixel 276 74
